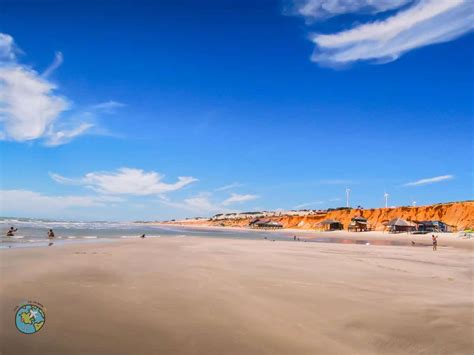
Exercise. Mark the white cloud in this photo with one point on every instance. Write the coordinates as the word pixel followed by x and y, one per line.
pixel 318 9
pixel 200 204
pixel 229 187
pixel 58 60
pixel 28 104
pixel 127 181
pixel 423 23
pixel 237 198
pixel 204 203
pixel 25 202
pixel 7 47
pixel 430 180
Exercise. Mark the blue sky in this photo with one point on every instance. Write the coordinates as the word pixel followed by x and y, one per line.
pixel 117 110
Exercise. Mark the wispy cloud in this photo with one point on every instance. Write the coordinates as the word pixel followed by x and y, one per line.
pixel 308 204
pixel 108 106
pixel 422 23
pixel 57 61
pixel 322 9
pixel 126 181
pixel 7 47
pixel 200 204
pixel 431 180
pixel 237 198
pixel 206 203
pixel 229 187
pixel 61 137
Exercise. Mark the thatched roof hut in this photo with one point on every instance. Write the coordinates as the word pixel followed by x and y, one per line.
pixel 331 224
pixel 400 225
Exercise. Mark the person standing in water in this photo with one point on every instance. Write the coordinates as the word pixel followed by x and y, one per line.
pixel 50 234
pixel 11 232
pixel 435 242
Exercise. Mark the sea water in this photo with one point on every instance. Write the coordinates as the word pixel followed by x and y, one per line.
pixel 34 232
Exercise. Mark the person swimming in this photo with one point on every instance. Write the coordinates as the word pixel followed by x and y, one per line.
pixel 11 232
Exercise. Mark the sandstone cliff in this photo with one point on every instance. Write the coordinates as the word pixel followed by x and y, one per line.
pixel 460 215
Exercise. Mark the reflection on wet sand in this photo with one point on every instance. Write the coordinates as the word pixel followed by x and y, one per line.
pixel 366 242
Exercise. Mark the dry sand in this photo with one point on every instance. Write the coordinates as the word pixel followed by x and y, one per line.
pixel 228 296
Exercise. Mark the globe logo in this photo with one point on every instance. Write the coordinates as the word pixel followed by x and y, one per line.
pixel 29 318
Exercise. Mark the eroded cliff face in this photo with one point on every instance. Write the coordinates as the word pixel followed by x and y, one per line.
pixel 457 214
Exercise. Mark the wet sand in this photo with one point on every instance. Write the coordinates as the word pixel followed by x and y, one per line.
pixel 228 296
pixel 445 239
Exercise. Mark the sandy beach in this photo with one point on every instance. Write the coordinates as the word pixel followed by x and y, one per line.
pixel 228 296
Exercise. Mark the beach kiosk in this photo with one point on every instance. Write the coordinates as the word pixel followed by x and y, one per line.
pixel 330 225
pixel 399 225
pixel 433 226
pixel 358 224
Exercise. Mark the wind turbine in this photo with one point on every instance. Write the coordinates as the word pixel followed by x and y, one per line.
pixel 348 191
pixel 386 199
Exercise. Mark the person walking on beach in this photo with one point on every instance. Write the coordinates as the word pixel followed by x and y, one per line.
pixel 50 234
pixel 294 237
pixel 11 232
pixel 435 242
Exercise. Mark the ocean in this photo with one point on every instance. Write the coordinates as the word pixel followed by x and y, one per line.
pixel 34 232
